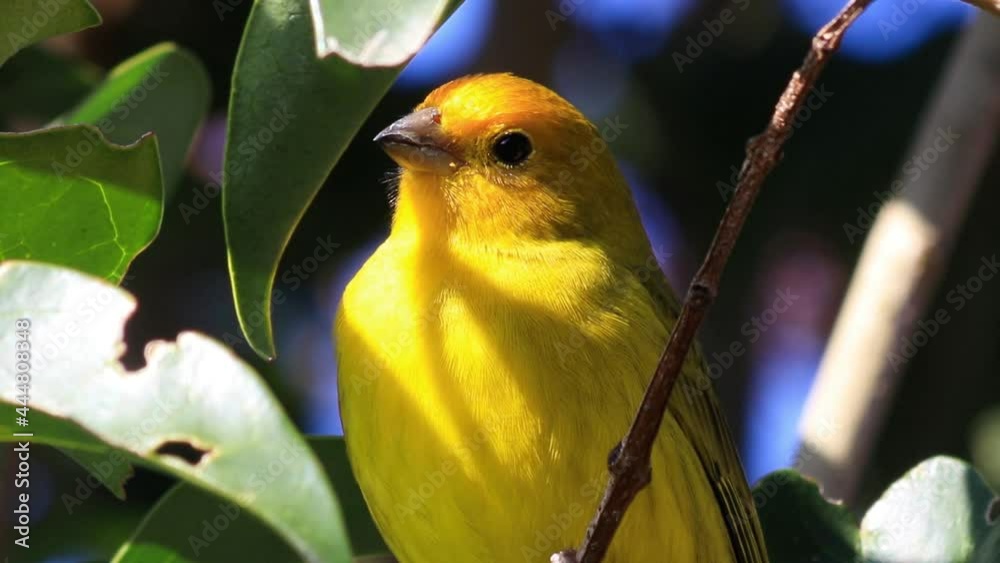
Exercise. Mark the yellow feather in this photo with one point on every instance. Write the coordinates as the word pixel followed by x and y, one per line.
pixel 496 346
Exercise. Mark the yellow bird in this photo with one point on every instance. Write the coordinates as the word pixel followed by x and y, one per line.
pixel 496 346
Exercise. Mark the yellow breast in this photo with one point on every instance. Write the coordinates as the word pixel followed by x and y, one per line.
pixel 481 392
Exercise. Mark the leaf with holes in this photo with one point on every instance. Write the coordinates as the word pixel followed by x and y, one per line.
pixel 72 198
pixel 106 465
pixel 164 90
pixel 291 116
pixel 800 525
pixel 25 22
pixel 195 411
pixel 935 513
pixel 186 519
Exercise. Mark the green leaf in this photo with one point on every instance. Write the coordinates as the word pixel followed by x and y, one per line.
pixel 164 90
pixel 74 199
pixel 96 527
pixel 189 525
pixel 988 550
pixel 936 513
pixel 107 466
pixel 365 537
pixel 291 116
pixel 377 33
pixel 102 466
pixel 25 22
pixel 800 525
pixel 39 84
pixel 195 411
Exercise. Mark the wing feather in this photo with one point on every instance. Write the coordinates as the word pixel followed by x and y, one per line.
pixel 697 410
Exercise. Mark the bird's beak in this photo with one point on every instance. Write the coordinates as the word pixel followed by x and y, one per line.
pixel 417 142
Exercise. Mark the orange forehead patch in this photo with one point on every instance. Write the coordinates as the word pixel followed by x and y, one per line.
pixel 476 103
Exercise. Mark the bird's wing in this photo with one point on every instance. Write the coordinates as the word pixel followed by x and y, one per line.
pixel 696 408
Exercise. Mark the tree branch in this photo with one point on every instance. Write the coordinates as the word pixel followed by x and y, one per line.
pixel 901 264
pixel 630 468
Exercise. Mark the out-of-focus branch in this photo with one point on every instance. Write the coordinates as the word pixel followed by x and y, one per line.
pixel 630 467
pixel 988 5
pixel 902 262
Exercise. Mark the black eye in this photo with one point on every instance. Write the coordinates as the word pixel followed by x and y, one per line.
pixel 512 148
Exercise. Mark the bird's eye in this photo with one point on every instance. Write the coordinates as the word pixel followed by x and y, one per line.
pixel 512 148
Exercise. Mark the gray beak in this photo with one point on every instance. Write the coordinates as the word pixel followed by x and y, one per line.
pixel 417 142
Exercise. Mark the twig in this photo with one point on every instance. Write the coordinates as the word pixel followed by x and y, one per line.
pixel 630 469
pixel 902 263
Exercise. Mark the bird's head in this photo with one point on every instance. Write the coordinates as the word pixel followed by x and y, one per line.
pixel 498 159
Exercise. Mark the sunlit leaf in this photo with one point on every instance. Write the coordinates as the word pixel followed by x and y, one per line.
pixel 72 198
pixel 377 32
pixel 195 411
pixel 935 513
pixel 189 525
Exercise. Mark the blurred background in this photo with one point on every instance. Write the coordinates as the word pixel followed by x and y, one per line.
pixel 689 81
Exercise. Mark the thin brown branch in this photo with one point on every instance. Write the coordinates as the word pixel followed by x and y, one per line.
pixel 630 468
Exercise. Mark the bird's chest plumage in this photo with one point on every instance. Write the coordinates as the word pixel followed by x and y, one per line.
pixel 480 400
